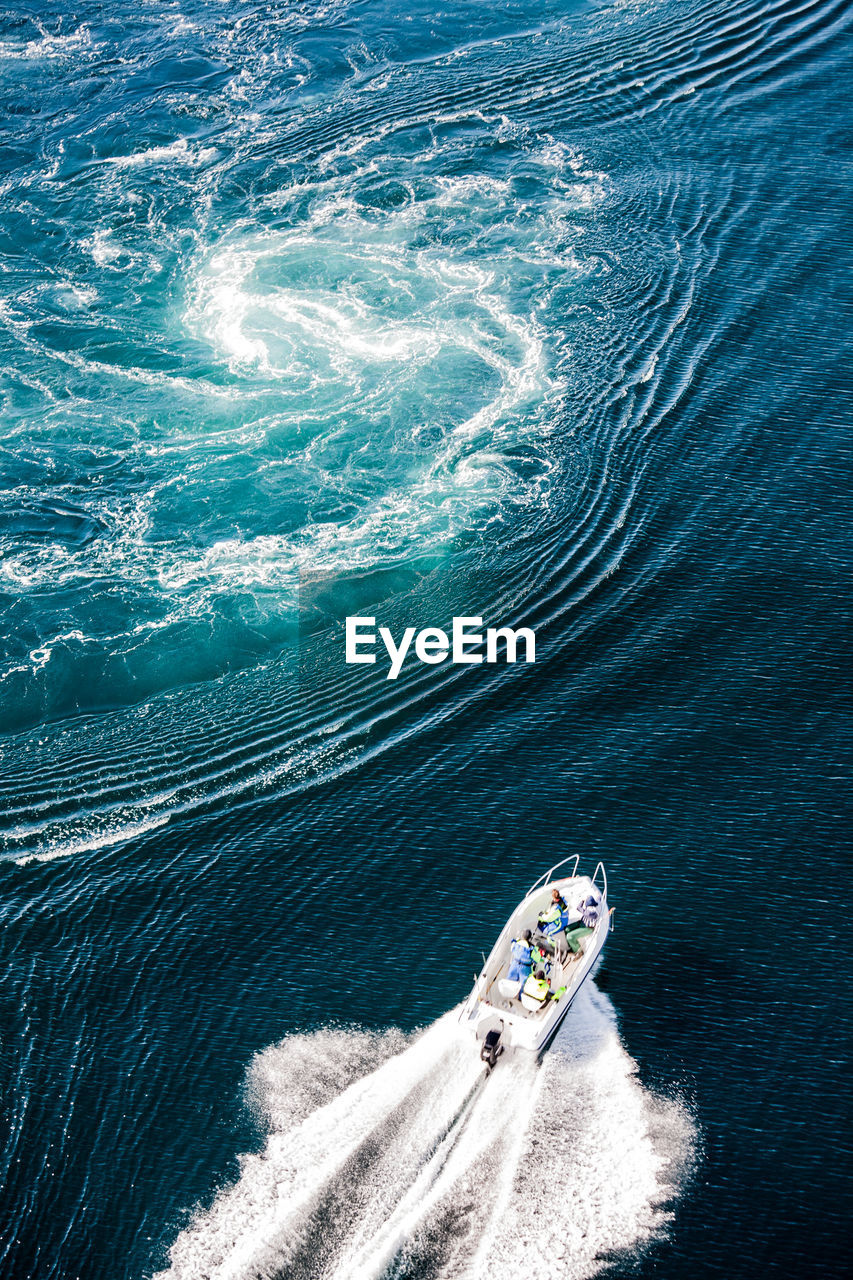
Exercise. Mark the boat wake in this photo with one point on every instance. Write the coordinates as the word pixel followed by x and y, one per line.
pixel 390 1155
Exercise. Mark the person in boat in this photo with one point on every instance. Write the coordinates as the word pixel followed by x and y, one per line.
pixel 557 900
pixel 521 962
pixel 551 920
pixel 588 907
pixel 538 987
pixel 552 925
pixel 570 939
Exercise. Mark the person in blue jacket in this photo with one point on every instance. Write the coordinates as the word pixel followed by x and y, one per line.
pixel 552 922
pixel 556 915
pixel 522 958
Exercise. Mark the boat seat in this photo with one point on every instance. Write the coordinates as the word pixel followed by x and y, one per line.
pixel 531 1003
pixel 509 988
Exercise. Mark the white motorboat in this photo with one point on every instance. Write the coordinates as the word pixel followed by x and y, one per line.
pixel 515 1013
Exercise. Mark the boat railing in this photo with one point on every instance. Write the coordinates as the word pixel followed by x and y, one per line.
pixel 543 879
pixel 600 868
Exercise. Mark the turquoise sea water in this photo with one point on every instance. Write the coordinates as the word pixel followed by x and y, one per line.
pixel 539 313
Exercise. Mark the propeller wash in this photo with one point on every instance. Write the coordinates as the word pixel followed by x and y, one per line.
pixel 393 1156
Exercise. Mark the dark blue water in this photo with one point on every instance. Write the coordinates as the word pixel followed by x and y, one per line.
pixel 535 312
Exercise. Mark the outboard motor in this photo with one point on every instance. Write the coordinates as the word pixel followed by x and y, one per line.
pixel 492 1048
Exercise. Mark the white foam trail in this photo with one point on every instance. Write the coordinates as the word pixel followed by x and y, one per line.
pixel 466 1166
pixel 606 1154
pixel 422 1163
pixel 254 1227
pixel 100 840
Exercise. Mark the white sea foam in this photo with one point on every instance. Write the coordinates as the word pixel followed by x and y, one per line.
pixel 372 373
pixel 345 315
pixel 375 332
pixel 108 252
pixel 48 46
pixel 100 839
pixel 382 1150
pixel 178 152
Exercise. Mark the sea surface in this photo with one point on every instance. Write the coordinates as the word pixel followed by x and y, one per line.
pixel 533 312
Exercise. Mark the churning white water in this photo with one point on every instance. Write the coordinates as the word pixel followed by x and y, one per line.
pixel 390 1154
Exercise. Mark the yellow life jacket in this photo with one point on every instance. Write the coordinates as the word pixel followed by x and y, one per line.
pixel 538 988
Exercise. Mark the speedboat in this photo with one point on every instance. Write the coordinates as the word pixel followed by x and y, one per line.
pixel 512 1013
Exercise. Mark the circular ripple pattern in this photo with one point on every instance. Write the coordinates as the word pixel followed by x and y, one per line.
pixel 427 313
